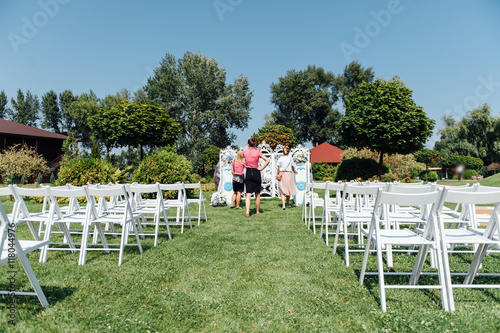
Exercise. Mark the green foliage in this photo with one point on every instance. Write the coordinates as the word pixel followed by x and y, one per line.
pixel 52 178
pixel 430 176
pixel 3 104
pixel 194 92
pixel 166 167
pixel 452 161
pixel 80 171
pixel 275 135
pixel 96 152
pixel 111 101
pixel 304 102
pixel 477 135
pixel 66 98
pixel 383 117
pixel 468 174
pixel 134 124
pixel 80 114
pixel 51 112
pixel 39 178
pixel 323 171
pixel 21 162
pixel 70 147
pixel 354 168
pixel 128 157
pixel 24 109
pixel 427 156
pixel 352 77
pixel 208 160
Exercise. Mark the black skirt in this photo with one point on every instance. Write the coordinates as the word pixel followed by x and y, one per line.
pixel 253 181
pixel 238 187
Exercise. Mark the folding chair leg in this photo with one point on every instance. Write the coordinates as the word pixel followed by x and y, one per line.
pixel 31 277
pixel 137 238
pixel 476 263
pixel 346 244
pixel 157 228
pixel 381 281
pixel 165 218
pixel 366 254
pixel 337 231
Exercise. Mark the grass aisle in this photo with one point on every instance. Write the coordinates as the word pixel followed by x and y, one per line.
pixel 263 273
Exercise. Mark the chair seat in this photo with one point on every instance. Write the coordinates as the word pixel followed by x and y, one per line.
pixel 462 236
pixel 34 217
pixel 27 246
pixel 401 237
pixel 113 218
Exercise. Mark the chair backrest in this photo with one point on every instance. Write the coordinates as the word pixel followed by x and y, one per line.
pixel 109 191
pixel 5 191
pixel 73 193
pixel 481 188
pixel 4 225
pixel 21 192
pixel 179 187
pixel 411 189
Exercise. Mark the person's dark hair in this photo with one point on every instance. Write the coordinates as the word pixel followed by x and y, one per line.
pixel 252 142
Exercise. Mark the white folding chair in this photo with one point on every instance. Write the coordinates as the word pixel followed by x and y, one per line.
pixel 200 201
pixel 378 239
pixel 152 207
pixel 353 219
pixel 11 248
pixel 180 205
pixel 64 222
pixel 315 202
pixel 481 240
pixel 331 207
pixel 126 220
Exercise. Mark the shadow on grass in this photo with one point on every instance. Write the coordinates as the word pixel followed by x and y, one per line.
pixel 53 294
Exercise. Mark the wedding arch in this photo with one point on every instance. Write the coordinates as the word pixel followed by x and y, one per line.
pixel 270 189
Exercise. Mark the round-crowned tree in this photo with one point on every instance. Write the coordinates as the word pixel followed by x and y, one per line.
pixel 166 167
pixel 274 135
pixel 383 117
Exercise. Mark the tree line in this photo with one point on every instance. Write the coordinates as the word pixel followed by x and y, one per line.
pixel 189 103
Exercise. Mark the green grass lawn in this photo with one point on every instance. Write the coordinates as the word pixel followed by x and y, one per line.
pixel 263 273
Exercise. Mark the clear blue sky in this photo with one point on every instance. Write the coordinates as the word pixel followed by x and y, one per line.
pixel 445 51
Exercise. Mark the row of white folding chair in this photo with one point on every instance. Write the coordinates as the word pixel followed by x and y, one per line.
pixel 11 247
pixel 434 237
pixel 92 219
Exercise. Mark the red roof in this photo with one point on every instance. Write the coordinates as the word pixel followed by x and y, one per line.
pixel 326 153
pixel 13 128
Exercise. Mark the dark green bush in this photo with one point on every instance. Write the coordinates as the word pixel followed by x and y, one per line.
pixel 80 171
pixel 356 167
pixel 469 173
pixel 165 167
pixel 323 171
pixel 432 176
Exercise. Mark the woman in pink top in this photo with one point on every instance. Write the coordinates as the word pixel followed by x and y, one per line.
pixel 237 169
pixel 253 180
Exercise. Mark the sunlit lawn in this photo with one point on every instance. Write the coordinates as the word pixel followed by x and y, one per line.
pixel 263 273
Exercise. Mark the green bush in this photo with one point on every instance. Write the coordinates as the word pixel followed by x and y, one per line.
pixel 323 171
pixel 80 171
pixel 355 167
pixel 469 173
pixel 432 176
pixel 165 167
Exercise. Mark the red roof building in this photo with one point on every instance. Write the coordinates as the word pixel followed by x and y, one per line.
pixel 46 143
pixel 326 153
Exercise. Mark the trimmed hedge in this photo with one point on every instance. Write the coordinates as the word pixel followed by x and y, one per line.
pixel 354 168
pixel 469 173
pixel 80 171
pixel 165 167
pixel 323 171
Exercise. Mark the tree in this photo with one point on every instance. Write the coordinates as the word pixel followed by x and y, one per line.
pixel 24 109
pixel 111 100
pixel 194 92
pixel 208 160
pixel 134 124
pixel 51 112
pixel 304 102
pixel 3 104
pixel 80 113
pixel 66 98
pixel 477 135
pixel 276 134
pixel 427 156
pixel 383 117
pixel 351 79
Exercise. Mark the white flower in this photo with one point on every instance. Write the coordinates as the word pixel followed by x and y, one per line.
pixel 218 199
pixel 300 156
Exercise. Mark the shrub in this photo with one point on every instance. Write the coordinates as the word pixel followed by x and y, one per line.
pixel 469 173
pixel 323 171
pixel 80 171
pixel 21 162
pixel 355 167
pixel 208 160
pixel 166 167
pixel 432 176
